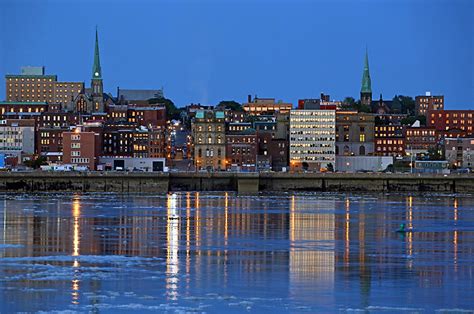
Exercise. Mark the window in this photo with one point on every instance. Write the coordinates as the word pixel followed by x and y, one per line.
pixel 75 153
pixel 75 145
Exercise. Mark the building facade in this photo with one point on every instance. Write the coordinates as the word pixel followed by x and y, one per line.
pixel 209 140
pixel 420 139
pixel 425 103
pixel 17 137
pixel 30 86
pixel 389 140
pixel 80 148
pixel 241 149
pixel 459 152
pixel 449 120
pixel 266 106
pixel 312 139
pixel 355 133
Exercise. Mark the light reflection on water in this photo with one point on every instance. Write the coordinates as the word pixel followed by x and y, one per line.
pixel 194 251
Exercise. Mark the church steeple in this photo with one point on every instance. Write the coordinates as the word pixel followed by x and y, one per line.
pixel 366 88
pixel 96 70
pixel 96 82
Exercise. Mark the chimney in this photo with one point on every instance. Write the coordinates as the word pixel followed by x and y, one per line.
pixel 118 92
pixel 249 98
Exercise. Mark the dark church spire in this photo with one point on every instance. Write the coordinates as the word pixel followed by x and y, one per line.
pixel 366 88
pixel 96 70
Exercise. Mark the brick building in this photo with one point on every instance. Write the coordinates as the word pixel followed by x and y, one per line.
pixel 80 148
pixel 446 121
pixel 241 149
pixel 425 103
pixel 389 140
pixel 49 143
pixel 420 139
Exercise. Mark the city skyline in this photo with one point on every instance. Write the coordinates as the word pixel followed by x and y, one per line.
pixel 197 66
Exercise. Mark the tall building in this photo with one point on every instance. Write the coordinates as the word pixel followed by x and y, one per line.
pixel 354 133
pixel 96 82
pixel 428 102
pixel 32 85
pixel 312 139
pixel 366 88
pixel 209 140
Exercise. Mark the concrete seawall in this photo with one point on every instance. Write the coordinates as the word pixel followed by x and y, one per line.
pixel 241 182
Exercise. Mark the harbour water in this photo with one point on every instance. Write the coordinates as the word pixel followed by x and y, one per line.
pixel 220 252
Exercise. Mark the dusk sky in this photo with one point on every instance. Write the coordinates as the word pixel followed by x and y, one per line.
pixel 208 51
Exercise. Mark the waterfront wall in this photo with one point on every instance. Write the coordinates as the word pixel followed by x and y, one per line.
pixel 241 182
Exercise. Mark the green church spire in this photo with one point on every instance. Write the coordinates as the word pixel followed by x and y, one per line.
pixel 96 70
pixel 366 83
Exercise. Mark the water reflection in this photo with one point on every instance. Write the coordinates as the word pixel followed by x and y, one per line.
pixel 172 248
pixel 76 242
pixel 312 243
pixel 316 250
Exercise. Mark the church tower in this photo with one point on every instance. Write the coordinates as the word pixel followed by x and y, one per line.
pixel 96 83
pixel 366 88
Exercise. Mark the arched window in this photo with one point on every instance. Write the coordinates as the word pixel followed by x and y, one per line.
pixel 362 150
pixel 346 150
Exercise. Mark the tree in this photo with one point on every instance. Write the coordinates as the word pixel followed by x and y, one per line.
pixel 36 163
pixel 435 153
pixel 330 167
pixel 411 120
pixel 171 111
pixel 230 104
pixel 406 102
pixel 349 102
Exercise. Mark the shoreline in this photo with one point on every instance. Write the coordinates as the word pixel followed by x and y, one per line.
pixel 133 182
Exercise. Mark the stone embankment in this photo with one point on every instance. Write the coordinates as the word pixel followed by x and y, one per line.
pixel 226 181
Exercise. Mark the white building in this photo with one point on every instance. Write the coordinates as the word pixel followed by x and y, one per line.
pixel 17 137
pixel 132 164
pixel 312 139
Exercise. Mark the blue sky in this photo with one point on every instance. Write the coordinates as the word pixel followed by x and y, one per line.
pixel 207 51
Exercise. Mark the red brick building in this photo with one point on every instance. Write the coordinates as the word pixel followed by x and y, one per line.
pixel 157 142
pixel 389 140
pixel 49 143
pixel 423 104
pixel 147 116
pixel 446 121
pixel 420 139
pixel 80 148
pixel 241 150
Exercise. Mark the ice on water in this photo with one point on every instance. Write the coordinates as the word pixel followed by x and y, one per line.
pixel 221 252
